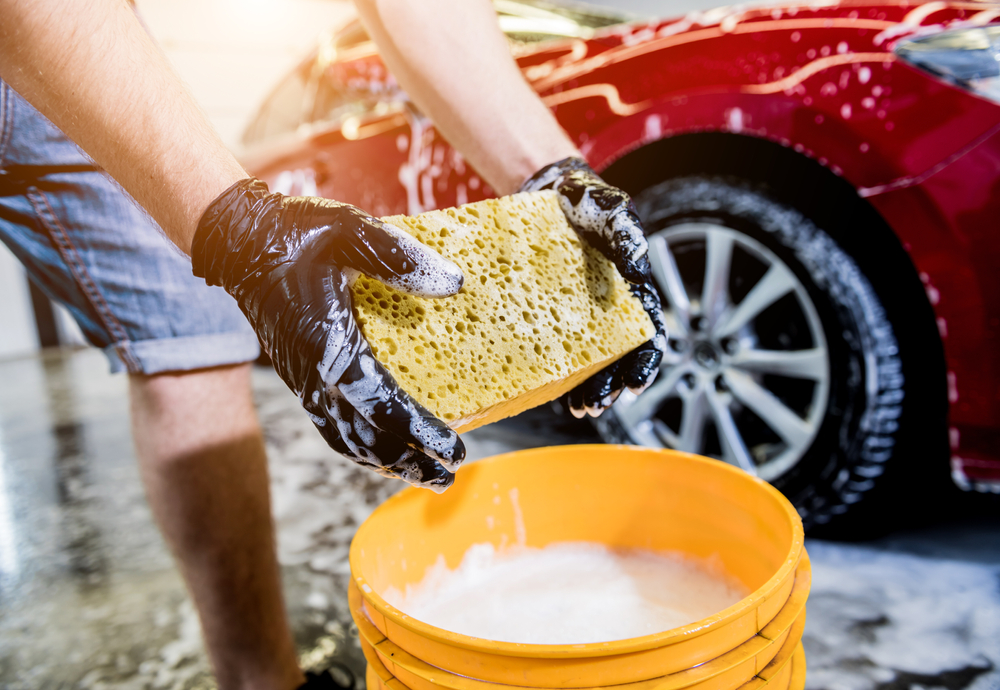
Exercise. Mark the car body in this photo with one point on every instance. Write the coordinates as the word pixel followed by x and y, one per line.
pixel 817 89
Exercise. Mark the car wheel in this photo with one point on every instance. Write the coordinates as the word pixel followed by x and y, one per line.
pixel 781 358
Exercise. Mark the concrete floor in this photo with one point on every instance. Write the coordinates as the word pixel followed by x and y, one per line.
pixel 89 597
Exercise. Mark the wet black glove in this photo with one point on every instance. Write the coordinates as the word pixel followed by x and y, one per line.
pixel 604 216
pixel 288 262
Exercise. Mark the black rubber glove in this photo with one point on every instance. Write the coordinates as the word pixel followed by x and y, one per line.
pixel 288 262
pixel 604 216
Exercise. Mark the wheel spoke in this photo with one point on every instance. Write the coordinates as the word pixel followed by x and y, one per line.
pixel 668 278
pixel 789 426
pixel 664 435
pixel 734 451
pixel 675 329
pixel 776 283
pixel 715 290
pixel 692 422
pixel 646 405
pixel 802 364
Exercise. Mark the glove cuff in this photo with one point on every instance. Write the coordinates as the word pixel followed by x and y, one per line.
pixel 226 219
pixel 549 176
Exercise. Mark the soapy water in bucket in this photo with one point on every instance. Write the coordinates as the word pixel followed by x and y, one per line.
pixel 567 593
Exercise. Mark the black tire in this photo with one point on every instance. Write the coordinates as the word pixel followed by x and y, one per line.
pixel 854 455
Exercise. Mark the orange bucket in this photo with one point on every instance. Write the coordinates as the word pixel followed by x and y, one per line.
pixel 620 496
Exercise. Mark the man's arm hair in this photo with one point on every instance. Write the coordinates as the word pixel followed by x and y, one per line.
pixel 452 59
pixel 91 68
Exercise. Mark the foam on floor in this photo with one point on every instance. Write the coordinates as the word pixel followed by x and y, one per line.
pixel 566 593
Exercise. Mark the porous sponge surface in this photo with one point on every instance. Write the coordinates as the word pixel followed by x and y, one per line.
pixel 540 311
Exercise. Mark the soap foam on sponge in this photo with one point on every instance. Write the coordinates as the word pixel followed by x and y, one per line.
pixel 539 313
pixel 566 593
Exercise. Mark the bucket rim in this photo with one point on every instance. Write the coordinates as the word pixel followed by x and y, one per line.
pixel 592 649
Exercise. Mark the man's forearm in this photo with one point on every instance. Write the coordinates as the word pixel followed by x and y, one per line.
pixel 91 69
pixel 452 59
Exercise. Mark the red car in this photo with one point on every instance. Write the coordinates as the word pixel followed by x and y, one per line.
pixel 820 184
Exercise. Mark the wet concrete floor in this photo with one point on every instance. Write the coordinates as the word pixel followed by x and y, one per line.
pixel 89 597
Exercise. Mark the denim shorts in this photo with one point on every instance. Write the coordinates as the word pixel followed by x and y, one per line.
pixel 88 245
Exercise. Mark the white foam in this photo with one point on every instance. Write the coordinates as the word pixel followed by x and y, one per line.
pixel 431 276
pixel 369 391
pixel 566 593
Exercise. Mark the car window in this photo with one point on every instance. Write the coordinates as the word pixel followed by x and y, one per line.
pixel 283 110
pixel 293 104
pixel 528 30
pixel 532 21
pixel 354 35
pixel 335 102
pixel 524 21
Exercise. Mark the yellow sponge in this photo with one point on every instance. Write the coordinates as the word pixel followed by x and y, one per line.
pixel 540 312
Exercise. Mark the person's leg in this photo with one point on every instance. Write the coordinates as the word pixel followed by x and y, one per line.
pixel 89 247
pixel 203 465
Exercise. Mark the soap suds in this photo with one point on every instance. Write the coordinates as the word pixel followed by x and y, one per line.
pixel 566 593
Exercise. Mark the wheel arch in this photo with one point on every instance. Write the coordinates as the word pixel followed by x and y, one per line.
pixel 790 176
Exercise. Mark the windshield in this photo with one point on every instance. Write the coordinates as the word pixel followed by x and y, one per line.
pixel 525 21
pixel 583 15
pixel 534 21
pixel 313 93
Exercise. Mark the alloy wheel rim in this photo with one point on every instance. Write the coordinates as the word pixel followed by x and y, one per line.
pixel 721 370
